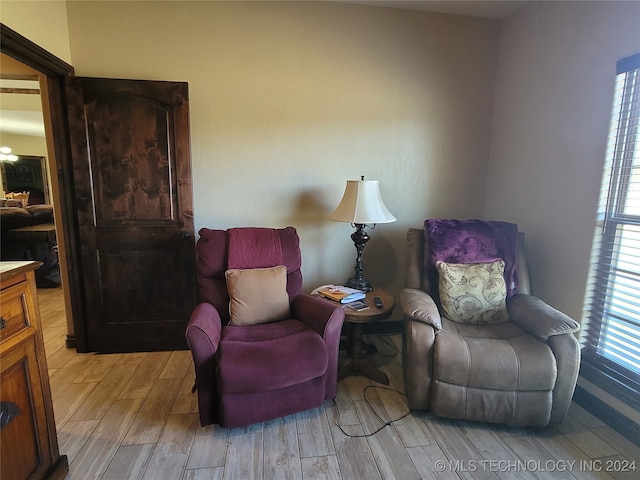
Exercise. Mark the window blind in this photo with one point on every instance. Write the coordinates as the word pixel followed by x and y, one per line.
pixel 612 314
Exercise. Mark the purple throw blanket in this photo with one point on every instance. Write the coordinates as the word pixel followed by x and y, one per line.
pixel 253 248
pixel 471 241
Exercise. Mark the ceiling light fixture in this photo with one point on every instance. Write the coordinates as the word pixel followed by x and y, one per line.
pixel 6 155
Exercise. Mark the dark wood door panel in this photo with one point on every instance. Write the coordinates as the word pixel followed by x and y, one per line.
pixel 132 169
pixel 142 300
pixel 145 299
pixel 132 166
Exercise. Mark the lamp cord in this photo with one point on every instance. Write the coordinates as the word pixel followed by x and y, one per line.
pixel 385 423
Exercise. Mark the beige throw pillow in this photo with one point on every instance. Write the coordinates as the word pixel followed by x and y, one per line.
pixel 257 295
pixel 473 293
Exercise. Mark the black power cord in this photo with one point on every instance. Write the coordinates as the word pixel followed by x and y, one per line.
pixel 385 423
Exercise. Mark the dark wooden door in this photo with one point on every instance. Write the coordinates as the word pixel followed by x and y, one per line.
pixel 133 192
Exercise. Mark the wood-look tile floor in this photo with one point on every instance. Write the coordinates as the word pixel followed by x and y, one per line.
pixel 133 416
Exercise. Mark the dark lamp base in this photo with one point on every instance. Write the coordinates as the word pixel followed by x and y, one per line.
pixel 359 284
pixel 360 238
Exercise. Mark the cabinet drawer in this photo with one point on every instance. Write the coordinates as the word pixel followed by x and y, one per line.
pixel 14 311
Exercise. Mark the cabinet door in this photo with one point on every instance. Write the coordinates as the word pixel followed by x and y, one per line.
pixel 23 439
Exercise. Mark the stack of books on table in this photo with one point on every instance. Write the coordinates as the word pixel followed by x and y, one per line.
pixel 340 294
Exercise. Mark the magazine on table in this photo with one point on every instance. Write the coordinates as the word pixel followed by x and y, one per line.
pixel 340 293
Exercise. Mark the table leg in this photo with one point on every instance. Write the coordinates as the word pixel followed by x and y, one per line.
pixel 355 363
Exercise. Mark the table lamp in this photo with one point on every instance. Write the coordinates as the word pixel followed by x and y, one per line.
pixel 362 207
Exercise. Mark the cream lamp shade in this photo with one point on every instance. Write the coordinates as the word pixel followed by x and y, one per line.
pixel 362 204
pixel 362 207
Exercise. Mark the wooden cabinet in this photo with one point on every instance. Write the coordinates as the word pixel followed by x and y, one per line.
pixel 28 441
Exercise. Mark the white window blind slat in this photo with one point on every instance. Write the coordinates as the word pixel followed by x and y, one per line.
pixel 612 306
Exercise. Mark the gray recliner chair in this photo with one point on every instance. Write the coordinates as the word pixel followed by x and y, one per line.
pixel 519 372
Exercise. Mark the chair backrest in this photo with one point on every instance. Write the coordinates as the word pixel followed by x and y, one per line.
pixel 22 196
pixel 418 276
pixel 213 251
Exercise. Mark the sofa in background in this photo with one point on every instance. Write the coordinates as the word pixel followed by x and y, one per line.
pixel 18 244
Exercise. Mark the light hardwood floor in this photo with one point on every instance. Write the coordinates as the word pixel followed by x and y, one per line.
pixel 133 416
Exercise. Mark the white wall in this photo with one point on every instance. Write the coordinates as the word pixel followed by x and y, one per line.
pixel 289 100
pixel 42 22
pixel 554 85
pixel 49 30
pixel 25 144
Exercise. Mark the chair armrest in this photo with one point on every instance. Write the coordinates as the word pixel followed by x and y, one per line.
pixel 204 328
pixel 419 306
pixel 539 319
pixel 318 314
pixel 326 318
pixel 566 349
pixel 421 323
pixel 203 336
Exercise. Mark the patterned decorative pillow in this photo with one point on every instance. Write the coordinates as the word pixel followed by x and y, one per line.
pixel 473 293
pixel 257 295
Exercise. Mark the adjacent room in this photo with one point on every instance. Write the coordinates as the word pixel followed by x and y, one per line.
pixel 491 110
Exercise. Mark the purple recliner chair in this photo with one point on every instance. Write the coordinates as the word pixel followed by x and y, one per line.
pixel 248 374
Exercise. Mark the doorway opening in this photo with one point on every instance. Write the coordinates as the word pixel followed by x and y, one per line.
pixel 30 98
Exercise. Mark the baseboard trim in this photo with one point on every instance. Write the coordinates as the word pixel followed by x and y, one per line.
pixel 621 424
pixel 625 389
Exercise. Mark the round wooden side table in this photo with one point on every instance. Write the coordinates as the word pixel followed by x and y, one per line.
pixel 356 364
